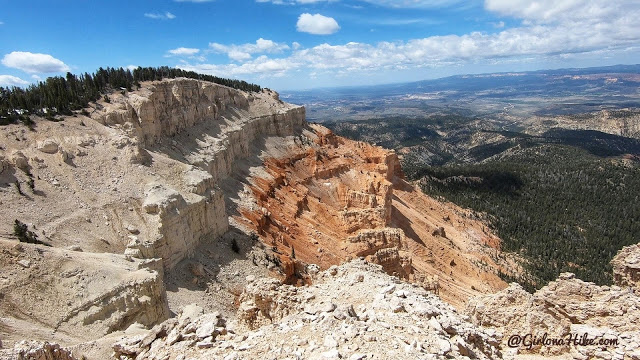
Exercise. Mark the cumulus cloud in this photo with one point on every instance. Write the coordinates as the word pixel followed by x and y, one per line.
pixel 546 33
pixel 245 51
pixel 317 24
pixel 260 65
pixel 160 16
pixel 183 51
pixel 9 80
pixel 34 63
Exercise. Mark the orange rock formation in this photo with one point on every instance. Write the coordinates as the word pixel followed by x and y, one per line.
pixel 328 199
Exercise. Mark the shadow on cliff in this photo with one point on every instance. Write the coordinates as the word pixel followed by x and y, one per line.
pixel 216 262
pixel 189 141
pixel 240 175
pixel 398 220
pixel 221 264
pixel 397 217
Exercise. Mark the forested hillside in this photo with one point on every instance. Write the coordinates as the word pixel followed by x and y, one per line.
pixel 563 208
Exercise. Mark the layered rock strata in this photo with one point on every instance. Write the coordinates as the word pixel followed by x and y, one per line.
pixel 209 127
pixel 322 199
pixel 139 178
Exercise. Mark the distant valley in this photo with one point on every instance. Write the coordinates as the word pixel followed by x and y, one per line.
pixel 539 93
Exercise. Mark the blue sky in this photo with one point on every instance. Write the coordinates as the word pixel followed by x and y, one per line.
pixel 301 44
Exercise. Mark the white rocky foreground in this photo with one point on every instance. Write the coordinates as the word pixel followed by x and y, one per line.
pixel 355 311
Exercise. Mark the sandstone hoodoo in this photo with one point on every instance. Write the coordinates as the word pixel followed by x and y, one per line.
pixel 188 219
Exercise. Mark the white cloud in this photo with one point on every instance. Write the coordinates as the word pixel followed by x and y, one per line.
pixel 599 29
pixel 160 16
pixel 548 11
pixel 9 80
pixel 132 67
pixel 260 65
pixel 244 52
pixel 317 24
pixel 183 51
pixel 34 63
pixel 238 55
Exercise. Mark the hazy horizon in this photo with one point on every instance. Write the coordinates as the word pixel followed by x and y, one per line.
pixel 293 45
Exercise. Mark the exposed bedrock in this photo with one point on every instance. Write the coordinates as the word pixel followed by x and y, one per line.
pixel 626 266
pixel 207 127
pixel 122 196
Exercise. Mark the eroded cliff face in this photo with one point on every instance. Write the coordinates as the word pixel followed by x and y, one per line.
pixel 322 199
pixel 205 128
pixel 328 185
pixel 167 108
pixel 123 196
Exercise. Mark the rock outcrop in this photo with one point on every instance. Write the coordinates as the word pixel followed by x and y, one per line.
pixel 626 267
pixel 329 199
pixel 123 196
pixel 566 310
pixel 33 350
pixel 204 125
pixel 354 311
pixel 65 290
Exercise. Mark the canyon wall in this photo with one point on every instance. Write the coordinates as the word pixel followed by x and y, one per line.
pixel 322 199
pixel 204 125
pixel 122 196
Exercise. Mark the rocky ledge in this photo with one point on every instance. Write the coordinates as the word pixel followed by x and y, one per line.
pixel 567 307
pixel 353 311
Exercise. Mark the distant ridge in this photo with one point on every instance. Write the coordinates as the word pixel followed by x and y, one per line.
pixel 389 87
